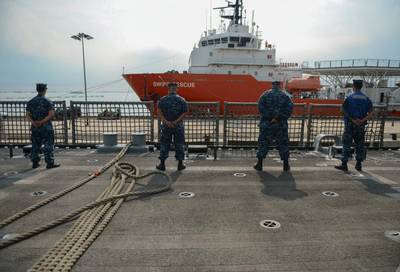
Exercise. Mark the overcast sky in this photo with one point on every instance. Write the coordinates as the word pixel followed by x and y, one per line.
pixel 158 35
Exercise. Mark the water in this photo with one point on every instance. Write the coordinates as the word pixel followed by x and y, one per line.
pixel 59 95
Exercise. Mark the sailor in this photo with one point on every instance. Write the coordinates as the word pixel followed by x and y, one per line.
pixel 357 110
pixel 172 108
pixel 40 112
pixel 275 108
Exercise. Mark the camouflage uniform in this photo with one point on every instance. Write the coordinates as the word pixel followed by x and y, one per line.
pixel 274 104
pixel 172 107
pixel 357 105
pixel 39 108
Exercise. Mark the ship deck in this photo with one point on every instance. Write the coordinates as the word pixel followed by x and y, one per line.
pixel 218 229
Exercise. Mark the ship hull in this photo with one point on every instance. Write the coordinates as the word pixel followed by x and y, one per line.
pixel 216 87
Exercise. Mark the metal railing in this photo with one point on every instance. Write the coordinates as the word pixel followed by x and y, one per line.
pixel 237 127
pixel 354 63
pixel 91 119
pixel 201 124
pixel 328 119
pixel 15 128
pixel 241 125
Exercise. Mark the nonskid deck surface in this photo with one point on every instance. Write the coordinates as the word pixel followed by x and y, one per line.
pixel 219 228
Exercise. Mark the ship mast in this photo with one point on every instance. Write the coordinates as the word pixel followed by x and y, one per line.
pixel 237 16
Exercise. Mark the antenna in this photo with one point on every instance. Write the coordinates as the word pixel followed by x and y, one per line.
pixel 206 22
pixel 210 14
pixel 252 22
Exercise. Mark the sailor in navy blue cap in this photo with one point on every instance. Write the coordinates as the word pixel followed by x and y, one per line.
pixel 40 112
pixel 275 108
pixel 172 108
pixel 357 109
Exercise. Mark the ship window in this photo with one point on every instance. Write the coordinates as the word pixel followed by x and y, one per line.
pixel 217 41
pixel 211 54
pixel 244 41
pixel 231 45
pixel 234 39
pixel 224 40
pixel 210 42
pixel 204 43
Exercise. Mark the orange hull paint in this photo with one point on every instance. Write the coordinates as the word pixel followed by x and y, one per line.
pixel 216 87
pixel 199 87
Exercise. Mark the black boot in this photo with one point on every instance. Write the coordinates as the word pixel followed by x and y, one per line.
pixel 181 166
pixel 52 165
pixel 259 165
pixel 35 165
pixel 342 167
pixel 358 166
pixel 286 166
pixel 161 166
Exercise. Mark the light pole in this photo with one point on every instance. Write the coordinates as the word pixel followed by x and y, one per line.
pixel 81 37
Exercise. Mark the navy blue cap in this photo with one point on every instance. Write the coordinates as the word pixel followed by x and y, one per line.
pixel 275 82
pixel 358 83
pixel 171 84
pixel 40 87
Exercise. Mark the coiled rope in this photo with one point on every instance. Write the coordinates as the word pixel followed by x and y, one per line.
pixel 94 218
pixel 46 201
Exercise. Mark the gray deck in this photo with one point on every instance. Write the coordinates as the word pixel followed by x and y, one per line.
pixel 218 229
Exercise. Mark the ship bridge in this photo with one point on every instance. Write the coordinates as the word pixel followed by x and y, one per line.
pixel 341 72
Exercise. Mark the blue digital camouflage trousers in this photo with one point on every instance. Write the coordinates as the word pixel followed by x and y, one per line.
pixel 42 136
pixel 178 135
pixel 356 133
pixel 273 132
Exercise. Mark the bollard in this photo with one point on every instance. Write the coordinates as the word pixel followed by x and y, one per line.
pixel 110 139
pixel 11 151
pixel 139 138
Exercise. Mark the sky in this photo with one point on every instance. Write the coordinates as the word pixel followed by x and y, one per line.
pixel 156 36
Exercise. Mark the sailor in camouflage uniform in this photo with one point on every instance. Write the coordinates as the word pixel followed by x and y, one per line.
pixel 275 107
pixel 172 108
pixel 40 112
pixel 357 109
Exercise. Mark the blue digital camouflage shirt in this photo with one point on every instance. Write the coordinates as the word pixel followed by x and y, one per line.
pixel 172 106
pixel 39 108
pixel 357 105
pixel 275 104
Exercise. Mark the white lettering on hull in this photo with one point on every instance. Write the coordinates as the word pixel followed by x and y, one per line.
pixel 180 84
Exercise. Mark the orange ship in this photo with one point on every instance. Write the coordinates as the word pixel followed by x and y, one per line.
pixel 230 66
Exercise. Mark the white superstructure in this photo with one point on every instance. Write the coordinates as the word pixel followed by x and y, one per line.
pixel 239 50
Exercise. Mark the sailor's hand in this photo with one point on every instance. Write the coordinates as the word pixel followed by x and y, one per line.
pixel 357 121
pixel 169 124
pixel 36 124
pixel 274 120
